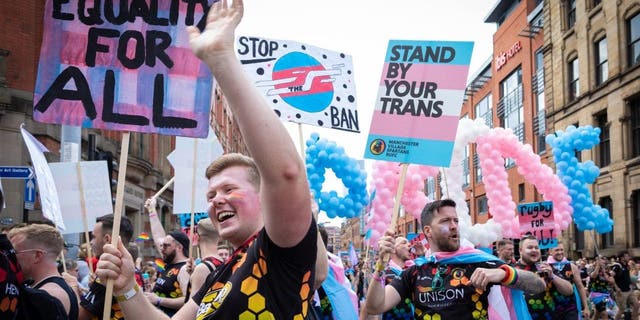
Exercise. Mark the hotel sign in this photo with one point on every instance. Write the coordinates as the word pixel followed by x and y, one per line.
pixel 503 57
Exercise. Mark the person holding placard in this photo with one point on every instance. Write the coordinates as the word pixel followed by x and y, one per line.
pixel 455 281
pixel 260 205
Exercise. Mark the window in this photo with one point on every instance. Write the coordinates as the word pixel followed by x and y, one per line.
pixel 481 203
pixel 410 227
pixel 601 58
pixel 476 165
pixel 571 13
pixel 466 172
pixel 511 106
pixel 634 106
pixel 574 83
pixel 521 192
pixel 595 3
pixel 431 188
pixel 635 213
pixel 633 47
pixel 483 110
pixel 604 148
pixel 578 153
pixel 539 122
pixel 607 238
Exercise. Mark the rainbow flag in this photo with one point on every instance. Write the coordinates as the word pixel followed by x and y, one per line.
pixel 143 236
pixel 160 264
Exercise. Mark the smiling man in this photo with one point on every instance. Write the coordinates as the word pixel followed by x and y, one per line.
pixel 261 205
pixel 454 283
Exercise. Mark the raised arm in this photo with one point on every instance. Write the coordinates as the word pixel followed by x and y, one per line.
pixel 284 191
pixel 380 297
pixel 157 230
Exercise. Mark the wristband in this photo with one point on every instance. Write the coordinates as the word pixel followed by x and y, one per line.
pixel 129 294
pixel 378 277
pixel 510 276
pixel 158 302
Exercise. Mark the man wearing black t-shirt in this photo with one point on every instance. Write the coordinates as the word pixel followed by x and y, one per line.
pixel 261 205
pixel 541 305
pixel 625 296
pixel 455 281
pixel 92 302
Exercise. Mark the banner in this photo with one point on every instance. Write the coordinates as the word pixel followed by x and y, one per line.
pixel 536 218
pixel 46 185
pixel 419 99
pixel 128 68
pixel 302 83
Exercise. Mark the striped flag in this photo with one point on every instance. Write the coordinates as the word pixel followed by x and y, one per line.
pixel 353 256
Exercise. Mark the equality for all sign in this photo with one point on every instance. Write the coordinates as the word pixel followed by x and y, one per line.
pixel 419 99
pixel 125 66
pixel 302 83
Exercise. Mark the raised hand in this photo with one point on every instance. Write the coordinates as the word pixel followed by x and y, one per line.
pixel 218 36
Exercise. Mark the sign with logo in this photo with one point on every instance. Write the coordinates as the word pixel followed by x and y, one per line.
pixel 419 99
pixel 536 218
pixel 29 193
pixel 303 83
pixel 16 172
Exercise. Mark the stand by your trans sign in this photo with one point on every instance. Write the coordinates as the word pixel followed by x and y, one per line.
pixel 127 67
pixel 419 99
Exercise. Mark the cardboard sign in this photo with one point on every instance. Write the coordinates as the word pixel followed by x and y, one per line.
pixel 96 190
pixel 183 162
pixel 123 67
pixel 536 218
pixel 419 99
pixel 302 83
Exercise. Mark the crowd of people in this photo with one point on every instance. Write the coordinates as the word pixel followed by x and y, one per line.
pixel 263 256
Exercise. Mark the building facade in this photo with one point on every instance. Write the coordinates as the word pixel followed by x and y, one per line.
pixel 592 67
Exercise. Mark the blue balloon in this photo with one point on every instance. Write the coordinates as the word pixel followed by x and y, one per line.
pixel 322 154
pixel 576 175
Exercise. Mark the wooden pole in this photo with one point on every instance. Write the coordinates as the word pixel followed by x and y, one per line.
pixel 301 140
pixel 83 208
pixel 396 205
pixel 117 215
pixel 193 195
pixel 166 185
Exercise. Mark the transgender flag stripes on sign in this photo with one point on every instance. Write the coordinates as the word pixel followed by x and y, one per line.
pixel 419 99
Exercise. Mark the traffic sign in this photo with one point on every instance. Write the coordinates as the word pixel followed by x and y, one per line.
pixel 29 193
pixel 16 172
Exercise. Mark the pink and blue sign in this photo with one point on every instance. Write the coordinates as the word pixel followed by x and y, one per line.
pixel 126 68
pixel 419 99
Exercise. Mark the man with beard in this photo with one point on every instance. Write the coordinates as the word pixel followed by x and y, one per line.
pixel 601 287
pixel 92 302
pixel 453 283
pixel 541 305
pixel 504 248
pixel 622 277
pixel 171 286
pixel 260 205
pixel 565 269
